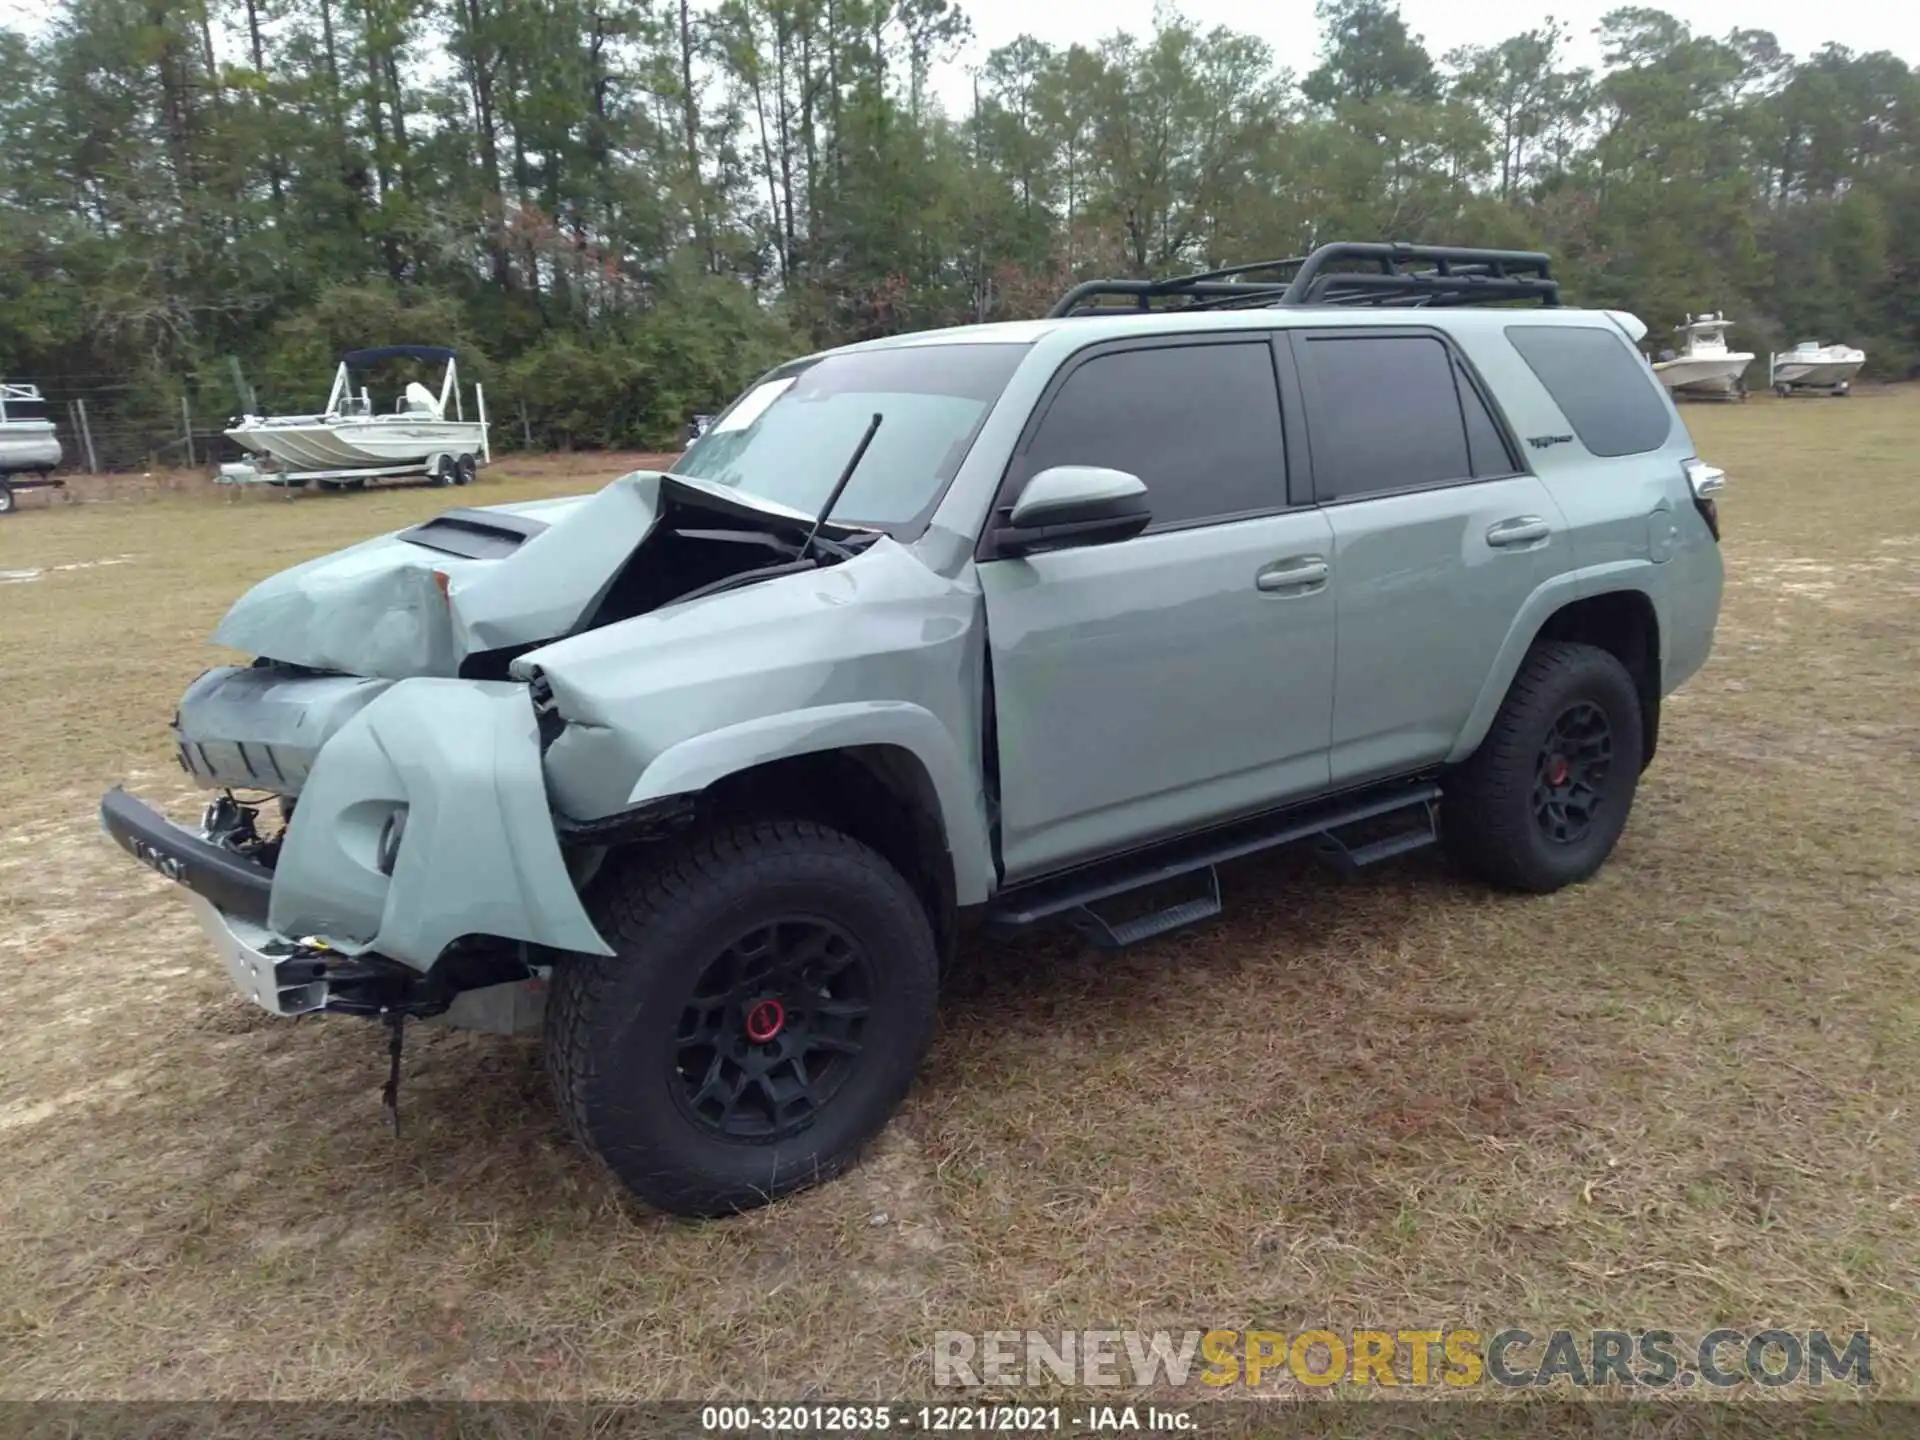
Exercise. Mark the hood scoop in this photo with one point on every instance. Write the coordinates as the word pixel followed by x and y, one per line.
pixel 475 534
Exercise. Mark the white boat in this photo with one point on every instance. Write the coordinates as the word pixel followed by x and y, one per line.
pixel 27 442
pixel 349 435
pixel 1704 364
pixel 1813 366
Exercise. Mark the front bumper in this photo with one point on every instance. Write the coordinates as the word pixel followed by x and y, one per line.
pixel 274 974
pixel 228 894
pixel 229 883
pixel 450 772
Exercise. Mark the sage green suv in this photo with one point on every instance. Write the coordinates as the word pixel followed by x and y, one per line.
pixel 996 626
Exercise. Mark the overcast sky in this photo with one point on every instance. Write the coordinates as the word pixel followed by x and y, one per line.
pixel 1288 26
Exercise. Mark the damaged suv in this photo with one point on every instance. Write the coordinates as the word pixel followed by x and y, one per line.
pixel 1005 625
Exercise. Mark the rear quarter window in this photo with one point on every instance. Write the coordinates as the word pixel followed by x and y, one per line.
pixel 1601 385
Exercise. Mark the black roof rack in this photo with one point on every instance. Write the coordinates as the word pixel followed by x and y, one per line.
pixel 1343 273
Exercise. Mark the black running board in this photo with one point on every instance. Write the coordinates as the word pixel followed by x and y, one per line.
pixel 1073 894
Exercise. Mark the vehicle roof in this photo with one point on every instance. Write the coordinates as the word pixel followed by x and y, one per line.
pixel 1123 323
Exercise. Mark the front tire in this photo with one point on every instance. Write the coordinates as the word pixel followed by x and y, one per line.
pixel 1543 801
pixel 6 496
pixel 770 999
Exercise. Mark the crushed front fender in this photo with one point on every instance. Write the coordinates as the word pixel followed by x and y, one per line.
pixel 440 782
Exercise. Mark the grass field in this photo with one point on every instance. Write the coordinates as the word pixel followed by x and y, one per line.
pixel 1681 1096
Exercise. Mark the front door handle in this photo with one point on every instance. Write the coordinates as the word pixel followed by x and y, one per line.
pixel 1295 576
pixel 1526 530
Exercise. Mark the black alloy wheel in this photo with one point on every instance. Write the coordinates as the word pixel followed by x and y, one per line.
pixel 770 994
pixel 775 1025
pixel 1570 778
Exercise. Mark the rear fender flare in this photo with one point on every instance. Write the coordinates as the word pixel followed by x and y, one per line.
pixel 694 764
pixel 1541 605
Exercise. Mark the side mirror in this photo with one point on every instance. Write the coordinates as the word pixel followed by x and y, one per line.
pixel 1072 505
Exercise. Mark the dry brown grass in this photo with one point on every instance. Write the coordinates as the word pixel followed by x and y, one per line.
pixel 1682 1095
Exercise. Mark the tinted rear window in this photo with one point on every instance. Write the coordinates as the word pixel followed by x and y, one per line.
pixel 1484 445
pixel 1384 414
pixel 1600 383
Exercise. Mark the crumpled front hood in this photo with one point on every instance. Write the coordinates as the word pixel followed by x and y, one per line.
pixel 376 609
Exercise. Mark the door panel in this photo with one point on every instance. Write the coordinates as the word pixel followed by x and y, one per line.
pixel 1426 595
pixel 1439 538
pixel 1146 687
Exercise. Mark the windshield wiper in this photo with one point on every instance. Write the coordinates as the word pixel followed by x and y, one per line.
pixel 813 540
pixel 803 557
pixel 833 496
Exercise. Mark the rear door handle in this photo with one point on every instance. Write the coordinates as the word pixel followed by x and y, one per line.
pixel 1526 530
pixel 1293 576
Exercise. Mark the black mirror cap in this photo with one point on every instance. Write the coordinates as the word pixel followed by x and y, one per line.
pixel 1096 522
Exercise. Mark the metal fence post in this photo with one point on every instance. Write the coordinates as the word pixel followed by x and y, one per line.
pixel 86 436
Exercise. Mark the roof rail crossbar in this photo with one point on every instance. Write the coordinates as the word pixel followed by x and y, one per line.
pixel 1144 292
pixel 1456 275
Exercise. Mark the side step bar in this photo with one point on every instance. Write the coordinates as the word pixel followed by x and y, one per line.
pixel 1073 895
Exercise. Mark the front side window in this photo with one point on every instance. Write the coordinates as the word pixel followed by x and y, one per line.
pixel 788 438
pixel 1199 424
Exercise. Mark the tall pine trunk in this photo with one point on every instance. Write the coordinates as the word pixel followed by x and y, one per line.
pixel 690 123
pixel 276 163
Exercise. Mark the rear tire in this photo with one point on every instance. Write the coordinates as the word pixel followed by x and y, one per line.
pixel 464 469
pixel 444 470
pixel 6 497
pixel 771 996
pixel 1543 801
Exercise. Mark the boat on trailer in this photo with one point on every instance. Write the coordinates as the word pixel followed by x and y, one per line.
pixel 1704 366
pixel 1826 369
pixel 350 442
pixel 29 448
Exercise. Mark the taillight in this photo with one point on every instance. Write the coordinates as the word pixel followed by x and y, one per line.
pixel 1704 480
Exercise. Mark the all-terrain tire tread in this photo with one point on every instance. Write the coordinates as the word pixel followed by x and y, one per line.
pixel 643 888
pixel 1484 826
